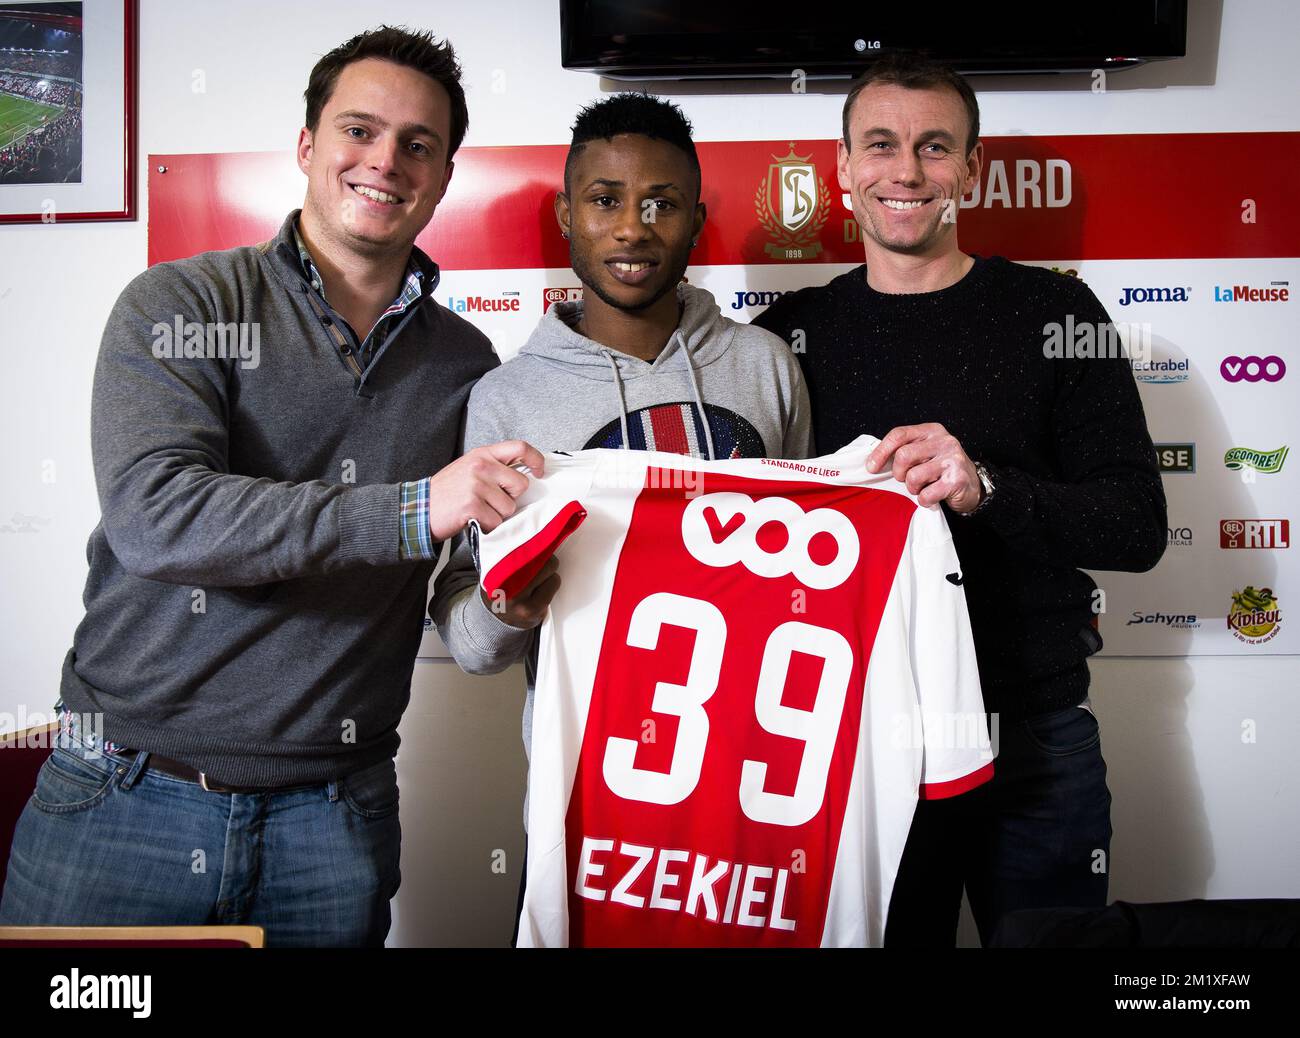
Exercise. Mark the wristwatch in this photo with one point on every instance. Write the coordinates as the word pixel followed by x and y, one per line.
pixel 986 481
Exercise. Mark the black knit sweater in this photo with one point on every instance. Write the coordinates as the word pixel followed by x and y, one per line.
pixel 1065 442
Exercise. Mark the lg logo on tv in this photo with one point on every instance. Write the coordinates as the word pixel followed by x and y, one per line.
pixel 1253 369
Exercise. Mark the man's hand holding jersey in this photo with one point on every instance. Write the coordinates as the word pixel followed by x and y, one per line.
pixel 481 485
pixel 930 462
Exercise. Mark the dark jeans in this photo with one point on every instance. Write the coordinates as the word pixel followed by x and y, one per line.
pixel 1036 836
pixel 105 841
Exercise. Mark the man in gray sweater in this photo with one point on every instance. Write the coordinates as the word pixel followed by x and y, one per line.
pixel 644 362
pixel 265 422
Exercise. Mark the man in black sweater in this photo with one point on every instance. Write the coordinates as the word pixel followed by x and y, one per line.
pixel 967 369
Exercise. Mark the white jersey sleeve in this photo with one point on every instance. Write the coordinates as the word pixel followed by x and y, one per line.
pixel 950 714
pixel 549 511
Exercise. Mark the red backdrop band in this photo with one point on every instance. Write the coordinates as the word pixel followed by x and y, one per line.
pixel 1086 197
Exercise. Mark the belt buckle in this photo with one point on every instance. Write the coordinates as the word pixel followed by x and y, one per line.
pixel 203 781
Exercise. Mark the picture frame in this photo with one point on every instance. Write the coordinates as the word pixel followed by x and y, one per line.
pixel 69 75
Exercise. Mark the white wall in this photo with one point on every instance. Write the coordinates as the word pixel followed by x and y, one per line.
pixel 1197 812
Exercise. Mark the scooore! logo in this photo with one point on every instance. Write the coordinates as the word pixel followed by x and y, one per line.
pixel 1260 461
pixel 1154 295
pixel 1178 621
pixel 1277 292
pixel 1252 369
pixel 1254 533
pixel 551 296
pixel 1255 616
pixel 792 204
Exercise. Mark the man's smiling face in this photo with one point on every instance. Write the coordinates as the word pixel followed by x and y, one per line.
pixel 377 164
pixel 631 218
pixel 908 164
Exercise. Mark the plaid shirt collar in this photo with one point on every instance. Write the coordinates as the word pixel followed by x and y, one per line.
pixel 412 286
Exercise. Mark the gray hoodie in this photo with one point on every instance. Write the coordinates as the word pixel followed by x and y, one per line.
pixel 565 392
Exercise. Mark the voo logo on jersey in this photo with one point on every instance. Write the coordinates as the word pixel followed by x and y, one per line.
pixel 773 537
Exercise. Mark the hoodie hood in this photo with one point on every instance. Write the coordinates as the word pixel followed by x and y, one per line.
pixel 702 336
pixel 703 332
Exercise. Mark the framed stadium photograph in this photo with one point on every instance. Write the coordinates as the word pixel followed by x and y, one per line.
pixel 68 77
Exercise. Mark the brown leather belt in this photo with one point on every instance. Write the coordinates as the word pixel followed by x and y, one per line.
pixel 179 770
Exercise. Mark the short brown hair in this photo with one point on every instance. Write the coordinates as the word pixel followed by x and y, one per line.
pixel 417 50
pixel 915 72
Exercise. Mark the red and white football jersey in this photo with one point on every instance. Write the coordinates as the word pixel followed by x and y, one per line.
pixel 751 672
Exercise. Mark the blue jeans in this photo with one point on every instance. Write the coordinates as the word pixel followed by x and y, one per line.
pixel 105 841
pixel 1036 836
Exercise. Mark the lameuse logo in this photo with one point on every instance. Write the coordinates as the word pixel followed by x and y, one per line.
pixel 1255 616
pixel 1253 369
pixel 1276 292
pixel 1254 533
pixel 506 302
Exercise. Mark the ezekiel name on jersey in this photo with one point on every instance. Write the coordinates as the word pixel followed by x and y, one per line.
pixel 751 672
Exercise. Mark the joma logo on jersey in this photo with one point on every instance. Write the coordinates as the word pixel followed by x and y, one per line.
pixel 771 537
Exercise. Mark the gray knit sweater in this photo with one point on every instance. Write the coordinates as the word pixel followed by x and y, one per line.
pixel 247 611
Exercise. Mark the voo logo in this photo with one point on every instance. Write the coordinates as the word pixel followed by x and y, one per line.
pixel 1253 369
pixel 771 538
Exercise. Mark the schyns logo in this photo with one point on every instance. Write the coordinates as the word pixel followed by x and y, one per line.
pixel 73 991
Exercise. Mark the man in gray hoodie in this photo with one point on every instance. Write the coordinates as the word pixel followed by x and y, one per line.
pixel 644 362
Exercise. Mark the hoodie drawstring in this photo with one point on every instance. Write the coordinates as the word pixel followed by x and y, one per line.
pixel 695 390
pixel 622 399
pixel 699 400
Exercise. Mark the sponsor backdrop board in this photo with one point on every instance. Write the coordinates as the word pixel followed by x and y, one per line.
pixel 1198 271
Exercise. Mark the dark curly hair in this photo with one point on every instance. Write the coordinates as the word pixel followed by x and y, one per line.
pixel 637 113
